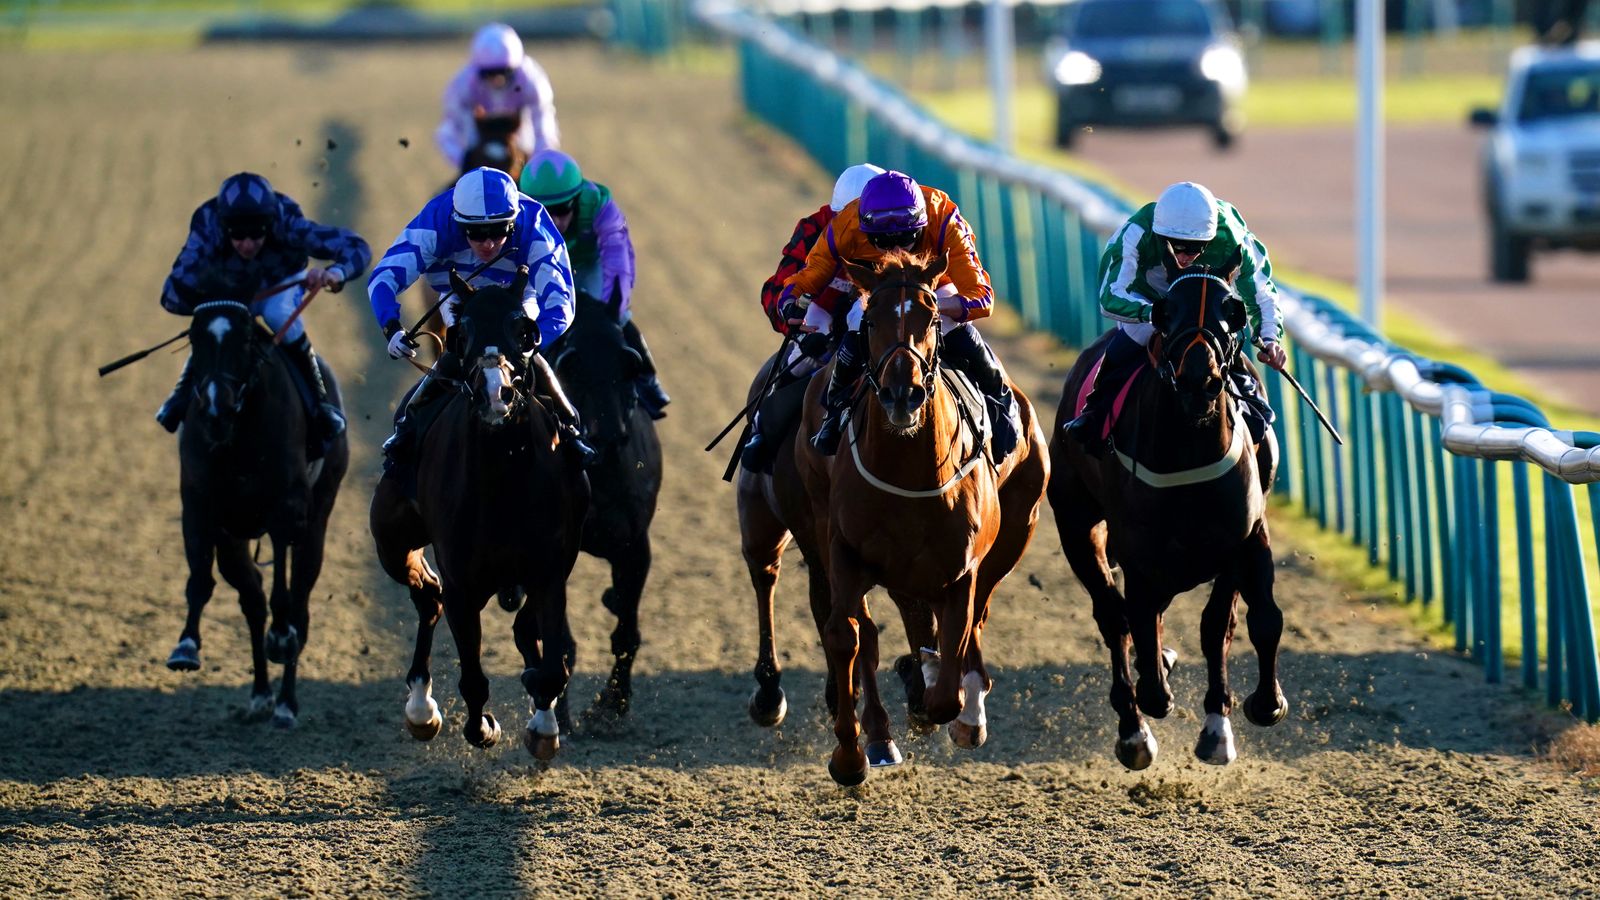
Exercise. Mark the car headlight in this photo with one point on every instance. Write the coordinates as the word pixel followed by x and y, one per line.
pixel 1223 64
pixel 1533 162
pixel 1077 67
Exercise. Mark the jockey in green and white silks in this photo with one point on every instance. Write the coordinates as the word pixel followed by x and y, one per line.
pixel 1200 229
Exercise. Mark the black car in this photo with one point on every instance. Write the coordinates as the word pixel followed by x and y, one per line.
pixel 1146 63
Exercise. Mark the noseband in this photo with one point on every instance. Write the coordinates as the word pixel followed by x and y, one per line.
pixel 930 364
pixel 1225 345
pixel 240 385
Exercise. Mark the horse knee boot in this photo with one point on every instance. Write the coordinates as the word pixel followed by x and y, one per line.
pixel 330 418
pixel 171 413
pixel 968 352
pixel 847 366
pixel 651 393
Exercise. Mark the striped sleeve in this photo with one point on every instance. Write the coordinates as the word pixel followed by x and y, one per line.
pixel 548 298
pixel 1257 289
pixel 966 271
pixel 1119 268
pixel 404 261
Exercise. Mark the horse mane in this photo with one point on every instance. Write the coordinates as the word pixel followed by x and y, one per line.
pixel 903 259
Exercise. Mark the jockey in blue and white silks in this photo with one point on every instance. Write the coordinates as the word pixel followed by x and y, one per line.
pixel 482 222
pixel 435 241
pixel 249 240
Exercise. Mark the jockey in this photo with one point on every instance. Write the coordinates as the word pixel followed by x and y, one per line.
pixel 1199 228
pixel 591 223
pixel 482 219
pixel 894 212
pixel 499 80
pixel 757 453
pixel 249 240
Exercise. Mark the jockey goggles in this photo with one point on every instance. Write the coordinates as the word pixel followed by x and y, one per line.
pixel 245 229
pixel 497 72
pixel 895 240
pixel 564 208
pixel 488 231
pixel 1192 248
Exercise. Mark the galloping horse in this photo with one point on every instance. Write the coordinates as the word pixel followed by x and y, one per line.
pixel 501 506
pixel 495 147
pixel 915 504
pixel 597 368
pixel 1181 501
pixel 245 473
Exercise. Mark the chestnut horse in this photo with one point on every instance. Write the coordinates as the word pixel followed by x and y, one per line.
pixel 495 147
pixel 1180 501
pixel 913 502
pixel 244 473
pixel 502 506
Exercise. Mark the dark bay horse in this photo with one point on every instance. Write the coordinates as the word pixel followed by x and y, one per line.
pixel 597 367
pixel 1180 501
pixel 495 147
pixel 913 502
pixel 502 505
pixel 244 474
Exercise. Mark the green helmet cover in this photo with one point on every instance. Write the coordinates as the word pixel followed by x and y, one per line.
pixel 551 177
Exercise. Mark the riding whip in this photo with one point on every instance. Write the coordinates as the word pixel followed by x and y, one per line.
pixel 311 293
pixel 131 358
pixel 772 376
pixel 411 333
pixel 1337 438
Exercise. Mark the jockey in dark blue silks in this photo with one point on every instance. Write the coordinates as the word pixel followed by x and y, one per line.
pixel 482 219
pixel 244 242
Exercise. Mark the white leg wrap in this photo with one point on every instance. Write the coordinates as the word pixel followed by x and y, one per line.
pixel 420 706
pixel 972 712
pixel 544 720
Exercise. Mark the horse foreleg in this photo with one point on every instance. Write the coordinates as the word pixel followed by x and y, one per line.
pixel 1145 606
pixel 545 642
pixel 463 613
pixel 199 550
pixel 762 539
pixel 1263 618
pixel 956 613
pixel 233 561
pixel 1215 744
pixel 881 749
pixel 841 638
pixel 629 570
pixel 1084 544
pixel 919 668
pixel 422 711
pixel 283 638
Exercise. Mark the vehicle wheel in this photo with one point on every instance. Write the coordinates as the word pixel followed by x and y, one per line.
pixel 1222 136
pixel 1066 129
pixel 1508 253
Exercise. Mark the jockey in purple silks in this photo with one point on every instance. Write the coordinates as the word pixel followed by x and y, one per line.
pixel 499 80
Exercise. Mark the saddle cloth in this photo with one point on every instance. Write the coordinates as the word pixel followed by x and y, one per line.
pixel 1117 404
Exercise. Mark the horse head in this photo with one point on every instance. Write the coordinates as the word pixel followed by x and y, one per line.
pixel 1200 319
pixel 225 359
pixel 901 331
pixel 496 335
pixel 597 368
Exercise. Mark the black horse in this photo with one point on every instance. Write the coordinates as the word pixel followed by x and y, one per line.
pixel 1181 500
pixel 244 473
pixel 503 504
pixel 597 368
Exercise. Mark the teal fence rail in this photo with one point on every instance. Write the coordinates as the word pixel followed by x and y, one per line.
pixel 1437 478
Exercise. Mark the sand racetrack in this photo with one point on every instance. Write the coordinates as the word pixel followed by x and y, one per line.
pixel 1397 771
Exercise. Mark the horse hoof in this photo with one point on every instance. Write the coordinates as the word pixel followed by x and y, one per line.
pixel 511 600
pixel 1137 751
pixel 542 746
pixel 764 712
pixel 1215 744
pixel 185 657
pixel 1256 710
pixel 883 753
pixel 260 708
pixel 426 731
pixel 847 776
pixel 283 718
pixel 282 648
pixel 970 737
pixel 488 733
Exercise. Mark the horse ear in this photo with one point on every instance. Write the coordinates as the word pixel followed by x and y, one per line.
pixel 1169 260
pixel 1234 263
pixel 615 303
pixel 1160 313
pixel 861 273
pixel 520 283
pixel 936 267
pixel 632 362
pixel 459 285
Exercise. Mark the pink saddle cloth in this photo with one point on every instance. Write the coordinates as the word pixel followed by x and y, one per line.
pixel 1117 404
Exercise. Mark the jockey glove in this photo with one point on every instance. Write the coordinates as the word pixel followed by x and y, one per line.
pixel 814 345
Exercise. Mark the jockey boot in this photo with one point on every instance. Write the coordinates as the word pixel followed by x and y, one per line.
pixel 400 449
pixel 567 422
pixel 171 413
pixel 965 349
pixel 848 364
pixel 330 418
pixel 651 394
pixel 1258 413
pixel 1122 356
pixel 772 422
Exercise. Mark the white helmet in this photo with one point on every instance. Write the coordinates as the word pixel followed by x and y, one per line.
pixel 1187 212
pixel 496 46
pixel 483 196
pixel 850 183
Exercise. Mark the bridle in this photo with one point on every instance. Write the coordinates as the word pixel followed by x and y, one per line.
pixel 240 385
pixel 506 377
pixel 1225 345
pixel 930 364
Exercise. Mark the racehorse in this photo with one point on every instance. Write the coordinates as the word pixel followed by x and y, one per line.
pixel 502 506
pixel 914 503
pixel 495 147
pixel 1180 501
pixel 244 473
pixel 597 367
pixel 773 507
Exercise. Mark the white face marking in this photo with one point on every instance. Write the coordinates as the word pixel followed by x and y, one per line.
pixel 905 307
pixel 494 379
pixel 218 328
pixel 211 398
